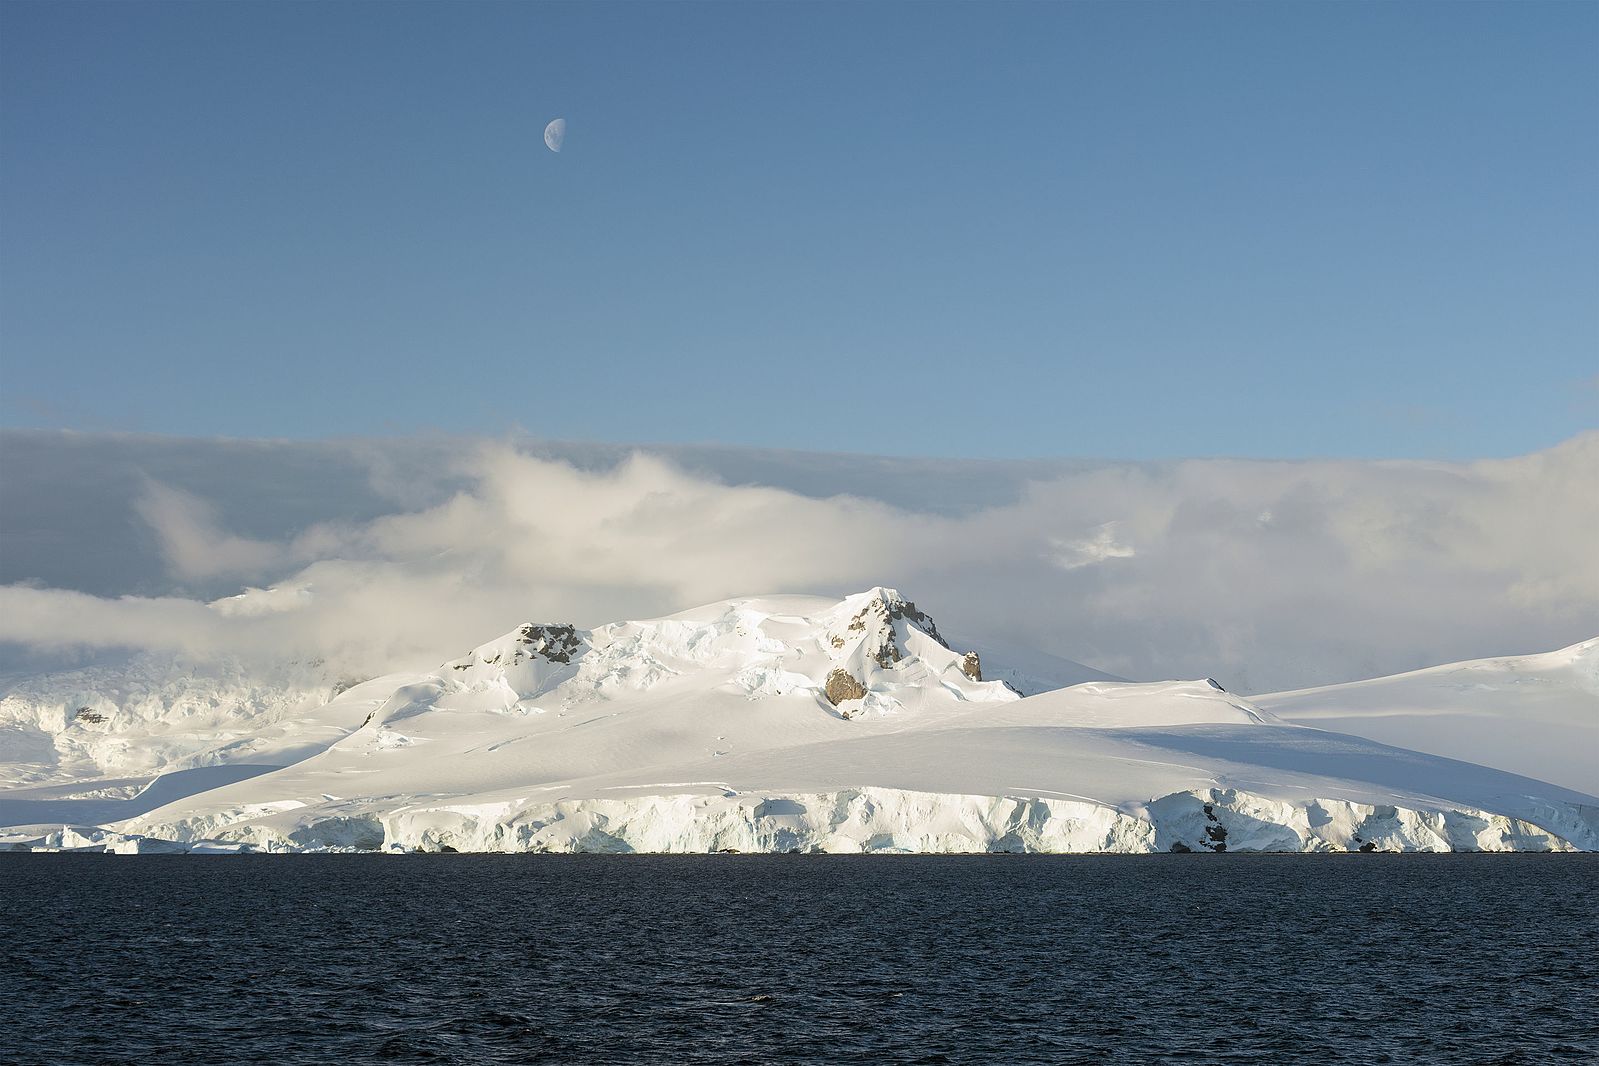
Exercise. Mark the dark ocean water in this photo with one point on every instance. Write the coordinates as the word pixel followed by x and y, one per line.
pixel 750 959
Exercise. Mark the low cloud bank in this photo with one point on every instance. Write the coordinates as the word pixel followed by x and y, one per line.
pixel 1265 574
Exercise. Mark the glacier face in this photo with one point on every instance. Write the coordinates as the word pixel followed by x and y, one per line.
pixel 850 821
pixel 789 723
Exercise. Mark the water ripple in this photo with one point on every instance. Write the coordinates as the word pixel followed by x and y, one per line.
pixel 767 959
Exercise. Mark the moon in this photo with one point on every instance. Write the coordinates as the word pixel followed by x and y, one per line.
pixel 555 133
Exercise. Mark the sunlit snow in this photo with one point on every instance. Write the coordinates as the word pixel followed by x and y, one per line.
pixel 783 723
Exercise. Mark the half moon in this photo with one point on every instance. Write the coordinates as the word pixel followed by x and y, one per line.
pixel 555 133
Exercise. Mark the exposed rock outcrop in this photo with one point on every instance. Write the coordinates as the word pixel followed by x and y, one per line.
pixel 841 686
pixel 876 622
pixel 557 643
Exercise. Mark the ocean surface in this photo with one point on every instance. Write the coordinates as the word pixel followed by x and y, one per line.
pixel 754 959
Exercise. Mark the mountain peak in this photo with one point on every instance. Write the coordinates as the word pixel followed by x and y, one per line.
pixel 871 652
pixel 874 613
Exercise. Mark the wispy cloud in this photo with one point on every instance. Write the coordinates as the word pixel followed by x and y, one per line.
pixel 194 545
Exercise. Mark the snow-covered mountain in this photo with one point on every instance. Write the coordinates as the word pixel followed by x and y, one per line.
pixel 1534 714
pixel 780 723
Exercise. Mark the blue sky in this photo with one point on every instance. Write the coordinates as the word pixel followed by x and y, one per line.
pixel 984 230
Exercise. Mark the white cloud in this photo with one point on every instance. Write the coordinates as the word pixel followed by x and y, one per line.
pixel 1104 544
pixel 1265 574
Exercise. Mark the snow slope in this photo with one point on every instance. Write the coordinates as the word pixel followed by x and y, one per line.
pixel 798 723
pixel 1533 714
